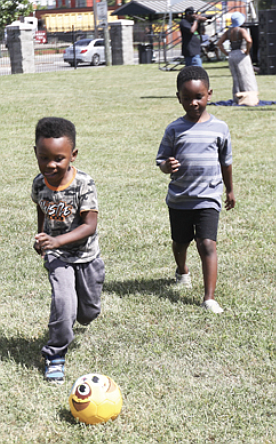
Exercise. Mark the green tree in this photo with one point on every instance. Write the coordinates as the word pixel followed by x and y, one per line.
pixel 10 10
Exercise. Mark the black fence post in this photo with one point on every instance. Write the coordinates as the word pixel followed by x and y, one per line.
pixel 74 49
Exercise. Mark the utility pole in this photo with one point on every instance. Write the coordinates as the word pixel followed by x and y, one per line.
pixel 102 14
pixel 95 19
pixel 106 41
pixel 107 46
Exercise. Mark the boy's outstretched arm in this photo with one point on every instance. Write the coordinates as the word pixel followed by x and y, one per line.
pixel 87 228
pixel 227 179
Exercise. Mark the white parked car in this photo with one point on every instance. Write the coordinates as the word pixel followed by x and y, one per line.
pixel 87 51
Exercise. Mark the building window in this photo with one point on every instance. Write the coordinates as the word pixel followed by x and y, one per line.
pixel 80 3
pixel 68 3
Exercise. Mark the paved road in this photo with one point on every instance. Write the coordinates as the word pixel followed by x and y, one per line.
pixel 46 63
pixel 54 62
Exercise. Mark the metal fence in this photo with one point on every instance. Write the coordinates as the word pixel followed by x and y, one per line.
pixel 49 56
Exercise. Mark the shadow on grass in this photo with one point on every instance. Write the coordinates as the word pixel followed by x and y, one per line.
pixel 161 288
pixel 261 108
pixel 25 351
pixel 66 415
pixel 217 67
pixel 158 97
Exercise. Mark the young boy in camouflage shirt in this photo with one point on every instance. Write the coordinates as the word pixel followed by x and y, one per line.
pixel 67 238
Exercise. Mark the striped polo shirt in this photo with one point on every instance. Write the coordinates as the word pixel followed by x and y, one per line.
pixel 201 149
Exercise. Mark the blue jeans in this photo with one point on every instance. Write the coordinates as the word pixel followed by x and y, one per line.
pixel 193 61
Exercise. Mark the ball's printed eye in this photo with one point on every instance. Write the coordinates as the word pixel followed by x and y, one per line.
pixel 83 391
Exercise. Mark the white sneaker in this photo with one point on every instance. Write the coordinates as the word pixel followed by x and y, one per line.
pixel 212 305
pixel 183 279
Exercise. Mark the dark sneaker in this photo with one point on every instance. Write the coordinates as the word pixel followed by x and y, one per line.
pixel 54 369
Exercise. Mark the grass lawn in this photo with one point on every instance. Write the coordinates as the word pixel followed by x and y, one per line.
pixel 186 376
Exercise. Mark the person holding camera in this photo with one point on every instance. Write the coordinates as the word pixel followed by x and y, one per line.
pixel 189 27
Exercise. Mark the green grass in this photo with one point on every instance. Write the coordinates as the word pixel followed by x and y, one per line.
pixel 186 376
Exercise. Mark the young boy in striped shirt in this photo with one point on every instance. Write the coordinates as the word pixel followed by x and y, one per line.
pixel 196 151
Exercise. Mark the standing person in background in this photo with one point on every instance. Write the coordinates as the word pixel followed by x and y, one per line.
pixel 240 64
pixel 148 40
pixel 189 27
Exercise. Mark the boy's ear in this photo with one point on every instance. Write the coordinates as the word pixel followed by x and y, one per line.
pixel 178 96
pixel 35 151
pixel 74 155
pixel 210 92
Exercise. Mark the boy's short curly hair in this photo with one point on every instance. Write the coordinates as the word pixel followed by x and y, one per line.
pixel 192 73
pixel 55 127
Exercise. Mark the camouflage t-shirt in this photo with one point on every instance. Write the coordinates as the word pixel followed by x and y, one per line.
pixel 62 207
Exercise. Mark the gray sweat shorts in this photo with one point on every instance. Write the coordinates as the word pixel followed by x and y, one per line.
pixel 76 295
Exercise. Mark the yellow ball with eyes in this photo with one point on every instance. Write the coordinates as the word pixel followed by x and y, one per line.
pixel 95 399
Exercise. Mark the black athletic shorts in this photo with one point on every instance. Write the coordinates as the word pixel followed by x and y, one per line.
pixel 187 225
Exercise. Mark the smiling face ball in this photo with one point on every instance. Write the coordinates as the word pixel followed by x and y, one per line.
pixel 95 399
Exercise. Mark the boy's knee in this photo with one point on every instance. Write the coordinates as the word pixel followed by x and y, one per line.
pixel 179 248
pixel 206 247
pixel 89 315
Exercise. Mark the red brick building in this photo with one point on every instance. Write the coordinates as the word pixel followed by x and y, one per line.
pixel 72 4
